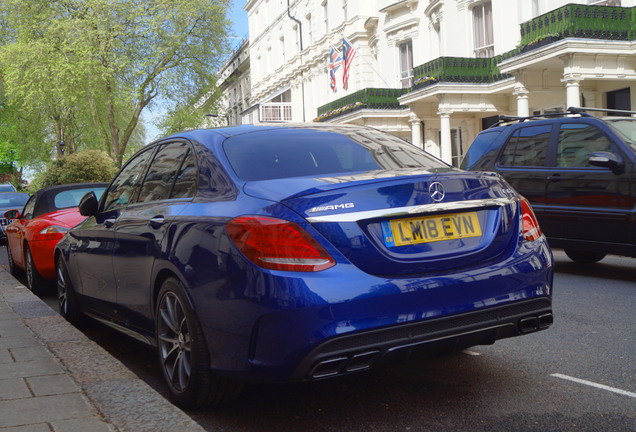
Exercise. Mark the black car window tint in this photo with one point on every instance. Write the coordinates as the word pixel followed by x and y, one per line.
pixel 127 181
pixel 527 147
pixel 162 173
pixel 295 153
pixel 27 213
pixel 577 141
pixel 186 181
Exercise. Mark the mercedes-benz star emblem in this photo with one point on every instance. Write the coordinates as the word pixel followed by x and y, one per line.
pixel 436 191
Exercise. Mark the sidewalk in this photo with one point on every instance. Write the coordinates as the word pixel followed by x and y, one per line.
pixel 53 378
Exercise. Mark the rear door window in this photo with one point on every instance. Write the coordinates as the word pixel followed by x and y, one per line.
pixel 126 184
pixel 163 172
pixel 527 147
pixel 577 141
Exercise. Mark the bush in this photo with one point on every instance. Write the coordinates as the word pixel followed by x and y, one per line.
pixel 82 167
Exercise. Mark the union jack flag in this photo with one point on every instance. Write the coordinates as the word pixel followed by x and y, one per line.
pixel 334 63
pixel 348 52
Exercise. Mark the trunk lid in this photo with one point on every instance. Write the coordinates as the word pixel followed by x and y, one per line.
pixel 407 223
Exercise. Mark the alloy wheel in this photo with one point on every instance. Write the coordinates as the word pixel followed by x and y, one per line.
pixel 29 270
pixel 62 293
pixel 174 342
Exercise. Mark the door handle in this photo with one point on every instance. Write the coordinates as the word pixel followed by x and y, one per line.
pixel 109 222
pixel 156 221
pixel 554 177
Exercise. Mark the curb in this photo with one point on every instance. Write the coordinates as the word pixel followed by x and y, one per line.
pixel 120 398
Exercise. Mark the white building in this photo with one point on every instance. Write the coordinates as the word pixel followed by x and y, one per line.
pixel 437 72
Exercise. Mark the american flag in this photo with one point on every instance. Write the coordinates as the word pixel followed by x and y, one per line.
pixel 348 52
pixel 334 63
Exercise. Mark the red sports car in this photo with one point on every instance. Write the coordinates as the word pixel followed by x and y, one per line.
pixel 33 234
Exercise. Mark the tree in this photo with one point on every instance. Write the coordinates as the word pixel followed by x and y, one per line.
pixel 102 62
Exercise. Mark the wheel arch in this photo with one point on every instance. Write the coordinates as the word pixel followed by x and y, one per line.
pixel 163 275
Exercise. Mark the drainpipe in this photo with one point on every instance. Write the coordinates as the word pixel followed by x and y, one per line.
pixel 300 29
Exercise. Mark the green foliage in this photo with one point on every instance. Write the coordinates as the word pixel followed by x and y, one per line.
pixel 189 113
pixel 81 167
pixel 88 68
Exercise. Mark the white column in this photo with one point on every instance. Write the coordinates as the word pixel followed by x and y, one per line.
pixel 445 144
pixel 523 107
pixel 416 131
pixel 572 92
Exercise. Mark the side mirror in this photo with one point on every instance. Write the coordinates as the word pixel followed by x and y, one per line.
pixel 12 214
pixel 606 160
pixel 88 205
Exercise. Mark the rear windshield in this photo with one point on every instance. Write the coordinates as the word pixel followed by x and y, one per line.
pixel 275 154
pixel 626 129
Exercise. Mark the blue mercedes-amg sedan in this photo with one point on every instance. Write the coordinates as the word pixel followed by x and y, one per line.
pixel 301 252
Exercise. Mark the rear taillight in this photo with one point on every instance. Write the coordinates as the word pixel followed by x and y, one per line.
pixel 278 244
pixel 531 229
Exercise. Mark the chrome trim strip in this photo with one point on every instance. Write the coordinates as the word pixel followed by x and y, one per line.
pixel 405 211
pixel 133 334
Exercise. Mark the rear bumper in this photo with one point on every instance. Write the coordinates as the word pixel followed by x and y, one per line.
pixel 359 351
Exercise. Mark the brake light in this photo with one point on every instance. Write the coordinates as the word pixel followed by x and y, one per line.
pixel 531 229
pixel 277 244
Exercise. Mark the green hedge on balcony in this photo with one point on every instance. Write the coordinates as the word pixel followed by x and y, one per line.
pixel 582 21
pixel 374 98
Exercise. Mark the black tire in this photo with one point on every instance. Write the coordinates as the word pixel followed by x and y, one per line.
pixel 66 298
pixel 34 281
pixel 13 269
pixel 584 257
pixel 183 354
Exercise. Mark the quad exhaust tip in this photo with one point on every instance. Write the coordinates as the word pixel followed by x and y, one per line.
pixel 535 323
pixel 339 365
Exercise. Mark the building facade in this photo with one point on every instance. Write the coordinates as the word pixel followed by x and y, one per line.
pixel 436 72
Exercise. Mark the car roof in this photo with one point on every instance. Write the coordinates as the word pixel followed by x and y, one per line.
pixel 45 196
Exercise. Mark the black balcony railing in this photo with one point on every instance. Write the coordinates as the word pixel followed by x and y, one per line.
pixel 374 98
pixel 572 20
pixel 582 21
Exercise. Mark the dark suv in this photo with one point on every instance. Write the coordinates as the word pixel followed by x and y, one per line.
pixel 578 171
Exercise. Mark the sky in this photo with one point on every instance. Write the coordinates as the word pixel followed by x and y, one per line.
pixel 239 19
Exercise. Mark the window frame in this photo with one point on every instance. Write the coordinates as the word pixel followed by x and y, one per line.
pixel 483 31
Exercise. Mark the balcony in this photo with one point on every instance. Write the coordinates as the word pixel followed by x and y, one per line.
pixel 373 98
pixel 570 21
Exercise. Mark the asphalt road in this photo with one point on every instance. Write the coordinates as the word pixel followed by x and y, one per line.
pixel 579 375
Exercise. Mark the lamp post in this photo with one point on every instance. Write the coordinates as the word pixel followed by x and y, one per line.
pixel 227 119
pixel 62 146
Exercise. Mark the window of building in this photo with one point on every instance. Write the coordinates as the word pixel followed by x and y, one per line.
pixel 457 147
pixel 406 64
pixel 482 30
pixel 277 109
pixel 604 2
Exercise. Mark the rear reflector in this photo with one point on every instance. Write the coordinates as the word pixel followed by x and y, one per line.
pixel 277 244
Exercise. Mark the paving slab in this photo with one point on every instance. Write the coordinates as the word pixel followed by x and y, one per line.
pixel 53 378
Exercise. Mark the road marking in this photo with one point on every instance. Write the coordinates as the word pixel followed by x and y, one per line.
pixel 472 353
pixel 593 384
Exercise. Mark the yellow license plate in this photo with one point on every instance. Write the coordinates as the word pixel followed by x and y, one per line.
pixel 403 232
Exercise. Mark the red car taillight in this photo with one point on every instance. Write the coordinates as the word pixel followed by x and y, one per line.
pixel 52 232
pixel 278 244
pixel 531 229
